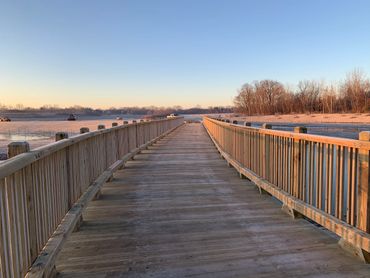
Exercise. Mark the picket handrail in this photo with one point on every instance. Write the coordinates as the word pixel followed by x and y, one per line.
pixel 39 188
pixel 323 178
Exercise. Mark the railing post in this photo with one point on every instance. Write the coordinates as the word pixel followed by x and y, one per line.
pixel 60 136
pixel 363 200
pixel 363 194
pixel 265 153
pixel 84 130
pixel 297 156
pixel 16 148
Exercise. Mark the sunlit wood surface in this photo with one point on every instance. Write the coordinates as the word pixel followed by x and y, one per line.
pixel 177 210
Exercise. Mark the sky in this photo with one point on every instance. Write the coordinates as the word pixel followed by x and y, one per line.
pixel 172 52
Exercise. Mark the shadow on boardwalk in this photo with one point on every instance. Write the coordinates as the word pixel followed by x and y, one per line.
pixel 177 210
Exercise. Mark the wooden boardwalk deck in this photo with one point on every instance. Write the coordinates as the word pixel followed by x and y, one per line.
pixel 177 210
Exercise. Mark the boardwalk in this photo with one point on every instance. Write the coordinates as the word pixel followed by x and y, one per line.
pixel 177 210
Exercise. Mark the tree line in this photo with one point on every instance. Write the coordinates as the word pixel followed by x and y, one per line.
pixel 310 96
pixel 80 110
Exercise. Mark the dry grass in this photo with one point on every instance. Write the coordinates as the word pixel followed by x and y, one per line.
pixel 312 118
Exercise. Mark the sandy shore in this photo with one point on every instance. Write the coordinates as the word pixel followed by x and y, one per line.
pixel 363 118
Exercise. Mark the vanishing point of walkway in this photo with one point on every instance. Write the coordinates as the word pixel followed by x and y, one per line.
pixel 177 210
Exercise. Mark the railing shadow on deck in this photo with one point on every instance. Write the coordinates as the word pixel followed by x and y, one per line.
pixel 325 179
pixel 44 191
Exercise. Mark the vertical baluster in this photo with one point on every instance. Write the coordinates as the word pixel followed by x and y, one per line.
pixel 363 192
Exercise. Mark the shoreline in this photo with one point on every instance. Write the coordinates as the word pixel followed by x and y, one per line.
pixel 340 118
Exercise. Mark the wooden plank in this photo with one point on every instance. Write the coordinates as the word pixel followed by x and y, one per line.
pixel 351 234
pixel 43 266
pixel 191 216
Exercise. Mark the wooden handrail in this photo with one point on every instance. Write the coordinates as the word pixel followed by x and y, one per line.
pixel 351 143
pixel 52 184
pixel 323 178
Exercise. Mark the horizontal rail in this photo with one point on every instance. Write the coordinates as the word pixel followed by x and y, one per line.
pixel 350 143
pixel 40 188
pixel 323 178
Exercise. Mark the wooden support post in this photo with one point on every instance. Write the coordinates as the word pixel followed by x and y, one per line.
pixel 84 130
pixel 265 153
pixel 101 127
pixel 53 272
pixel 265 158
pixel 247 124
pixel 354 250
pixel 80 220
pixel 114 124
pixel 60 136
pixel 290 211
pixel 16 148
pixel 297 156
pixel 266 126
pixel 363 194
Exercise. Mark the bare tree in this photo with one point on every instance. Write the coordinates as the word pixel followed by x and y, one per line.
pixel 356 92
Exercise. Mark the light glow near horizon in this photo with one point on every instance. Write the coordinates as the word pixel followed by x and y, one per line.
pixel 166 53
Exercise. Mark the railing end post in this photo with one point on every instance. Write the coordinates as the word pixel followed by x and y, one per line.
pixel 363 197
pixel 60 136
pixel 364 136
pixel 15 148
pixel 300 129
pixel 84 130
pixel 266 126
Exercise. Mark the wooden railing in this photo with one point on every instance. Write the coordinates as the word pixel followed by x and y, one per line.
pixel 323 178
pixel 43 192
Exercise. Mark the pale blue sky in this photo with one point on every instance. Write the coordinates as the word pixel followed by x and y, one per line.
pixel 188 52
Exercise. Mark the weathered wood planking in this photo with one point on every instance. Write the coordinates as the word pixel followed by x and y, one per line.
pixel 177 210
pixel 320 175
pixel 44 191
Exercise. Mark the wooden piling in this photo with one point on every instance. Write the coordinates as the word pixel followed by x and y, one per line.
pixel 60 136
pixel 84 130
pixel 16 148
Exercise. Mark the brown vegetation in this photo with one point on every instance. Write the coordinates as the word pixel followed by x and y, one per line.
pixel 310 96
